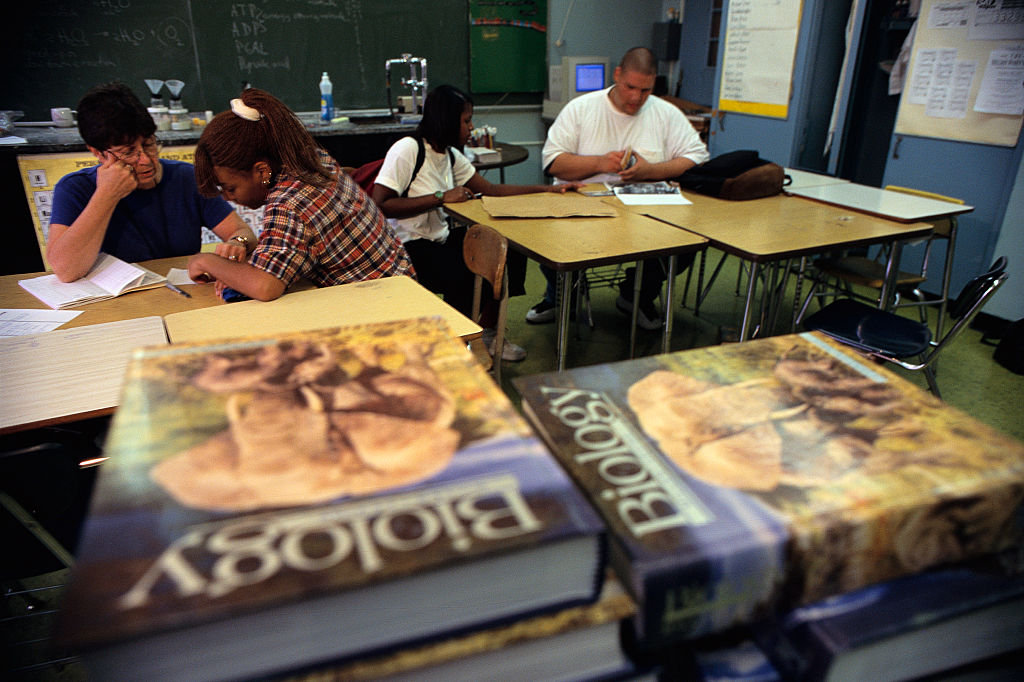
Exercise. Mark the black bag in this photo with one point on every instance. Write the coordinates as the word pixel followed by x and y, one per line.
pixel 1010 351
pixel 737 176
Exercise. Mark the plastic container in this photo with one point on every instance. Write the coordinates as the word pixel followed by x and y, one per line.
pixel 326 99
pixel 180 119
pixel 161 117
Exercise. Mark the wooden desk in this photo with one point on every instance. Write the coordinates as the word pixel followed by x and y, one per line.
pixel 508 155
pixel 775 229
pixel 377 300
pixel 160 301
pixel 569 244
pixel 63 383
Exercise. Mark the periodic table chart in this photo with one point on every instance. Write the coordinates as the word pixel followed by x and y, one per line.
pixel 40 172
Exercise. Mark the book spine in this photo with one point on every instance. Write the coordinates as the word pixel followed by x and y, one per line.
pixel 650 513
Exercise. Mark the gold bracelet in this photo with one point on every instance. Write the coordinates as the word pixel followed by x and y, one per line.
pixel 241 239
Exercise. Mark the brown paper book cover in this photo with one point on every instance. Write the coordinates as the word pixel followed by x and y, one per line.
pixel 742 478
pixel 271 502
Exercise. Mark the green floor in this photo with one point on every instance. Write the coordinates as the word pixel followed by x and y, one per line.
pixel 968 377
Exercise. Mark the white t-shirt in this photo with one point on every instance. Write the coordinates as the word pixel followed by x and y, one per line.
pixel 590 125
pixel 435 174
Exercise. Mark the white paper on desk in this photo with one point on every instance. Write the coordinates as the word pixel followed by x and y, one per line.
pixel 650 194
pixel 179 276
pixel 12 139
pixel 22 321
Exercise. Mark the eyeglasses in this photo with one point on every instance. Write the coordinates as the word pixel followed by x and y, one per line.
pixel 150 147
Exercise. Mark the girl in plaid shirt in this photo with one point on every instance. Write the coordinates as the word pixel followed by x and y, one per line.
pixel 317 222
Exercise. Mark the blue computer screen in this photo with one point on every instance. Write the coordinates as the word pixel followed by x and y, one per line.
pixel 589 77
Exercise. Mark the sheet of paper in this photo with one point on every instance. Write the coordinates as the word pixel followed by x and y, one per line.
pixel 650 194
pixel 547 205
pixel 179 276
pixel 70 371
pixel 113 274
pixel 22 321
pixel 1001 91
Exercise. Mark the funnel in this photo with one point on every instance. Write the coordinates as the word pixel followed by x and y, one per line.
pixel 154 86
pixel 175 87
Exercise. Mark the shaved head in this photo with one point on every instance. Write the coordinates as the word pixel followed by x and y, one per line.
pixel 640 60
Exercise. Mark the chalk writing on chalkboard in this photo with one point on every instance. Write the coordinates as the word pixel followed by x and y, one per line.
pixel 213 46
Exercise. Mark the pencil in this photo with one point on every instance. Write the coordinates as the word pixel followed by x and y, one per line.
pixel 177 290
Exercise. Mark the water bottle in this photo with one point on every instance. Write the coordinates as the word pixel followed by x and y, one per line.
pixel 326 99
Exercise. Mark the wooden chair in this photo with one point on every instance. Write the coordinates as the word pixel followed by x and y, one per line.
pixel 484 251
pixel 839 274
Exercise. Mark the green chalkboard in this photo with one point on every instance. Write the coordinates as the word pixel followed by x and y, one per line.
pixel 64 48
pixel 508 45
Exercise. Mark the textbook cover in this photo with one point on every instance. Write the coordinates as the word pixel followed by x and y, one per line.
pixel 273 502
pixel 742 478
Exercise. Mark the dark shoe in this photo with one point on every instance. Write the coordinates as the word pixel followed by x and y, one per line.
pixel 542 313
pixel 647 318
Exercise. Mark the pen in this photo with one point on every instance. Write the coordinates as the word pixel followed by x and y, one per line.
pixel 177 290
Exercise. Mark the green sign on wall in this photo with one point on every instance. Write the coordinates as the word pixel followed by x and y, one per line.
pixel 507 45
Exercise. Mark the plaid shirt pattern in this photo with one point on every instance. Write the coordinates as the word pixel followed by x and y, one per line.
pixel 329 235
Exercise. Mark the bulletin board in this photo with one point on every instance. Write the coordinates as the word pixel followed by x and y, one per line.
pixel 759 54
pixel 966 75
pixel 508 45
pixel 40 173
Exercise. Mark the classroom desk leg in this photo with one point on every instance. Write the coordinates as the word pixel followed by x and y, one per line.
pixel 666 335
pixel 892 267
pixel 755 272
pixel 796 294
pixel 565 287
pixel 637 278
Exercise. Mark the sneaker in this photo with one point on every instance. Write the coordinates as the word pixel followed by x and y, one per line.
pixel 648 317
pixel 509 351
pixel 542 313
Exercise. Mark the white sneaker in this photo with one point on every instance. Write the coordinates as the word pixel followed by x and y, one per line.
pixel 509 351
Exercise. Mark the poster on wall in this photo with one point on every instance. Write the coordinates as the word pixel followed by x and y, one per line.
pixel 966 75
pixel 759 53
pixel 508 45
pixel 40 173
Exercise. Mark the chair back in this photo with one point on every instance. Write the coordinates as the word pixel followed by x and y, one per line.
pixel 970 301
pixel 484 249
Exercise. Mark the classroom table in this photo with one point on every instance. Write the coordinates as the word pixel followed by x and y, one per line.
pixel 59 370
pixel 773 230
pixel 801 178
pixel 159 301
pixel 883 203
pixel 567 245
pixel 508 155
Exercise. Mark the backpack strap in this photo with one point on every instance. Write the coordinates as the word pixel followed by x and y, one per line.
pixel 421 154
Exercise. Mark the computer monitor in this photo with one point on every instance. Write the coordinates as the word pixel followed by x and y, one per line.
pixel 573 77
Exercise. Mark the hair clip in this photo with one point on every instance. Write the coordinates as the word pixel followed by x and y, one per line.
pixel 242 110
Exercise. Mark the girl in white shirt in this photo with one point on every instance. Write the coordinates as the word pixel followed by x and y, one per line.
pixel 414 205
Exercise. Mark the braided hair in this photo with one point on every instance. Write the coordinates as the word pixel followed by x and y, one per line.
pixel 277 137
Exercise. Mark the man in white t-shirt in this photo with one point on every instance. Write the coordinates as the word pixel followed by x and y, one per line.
pixel 587 143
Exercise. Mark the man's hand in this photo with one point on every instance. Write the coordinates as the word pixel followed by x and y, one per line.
pixel 640 170
pixel 114 178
